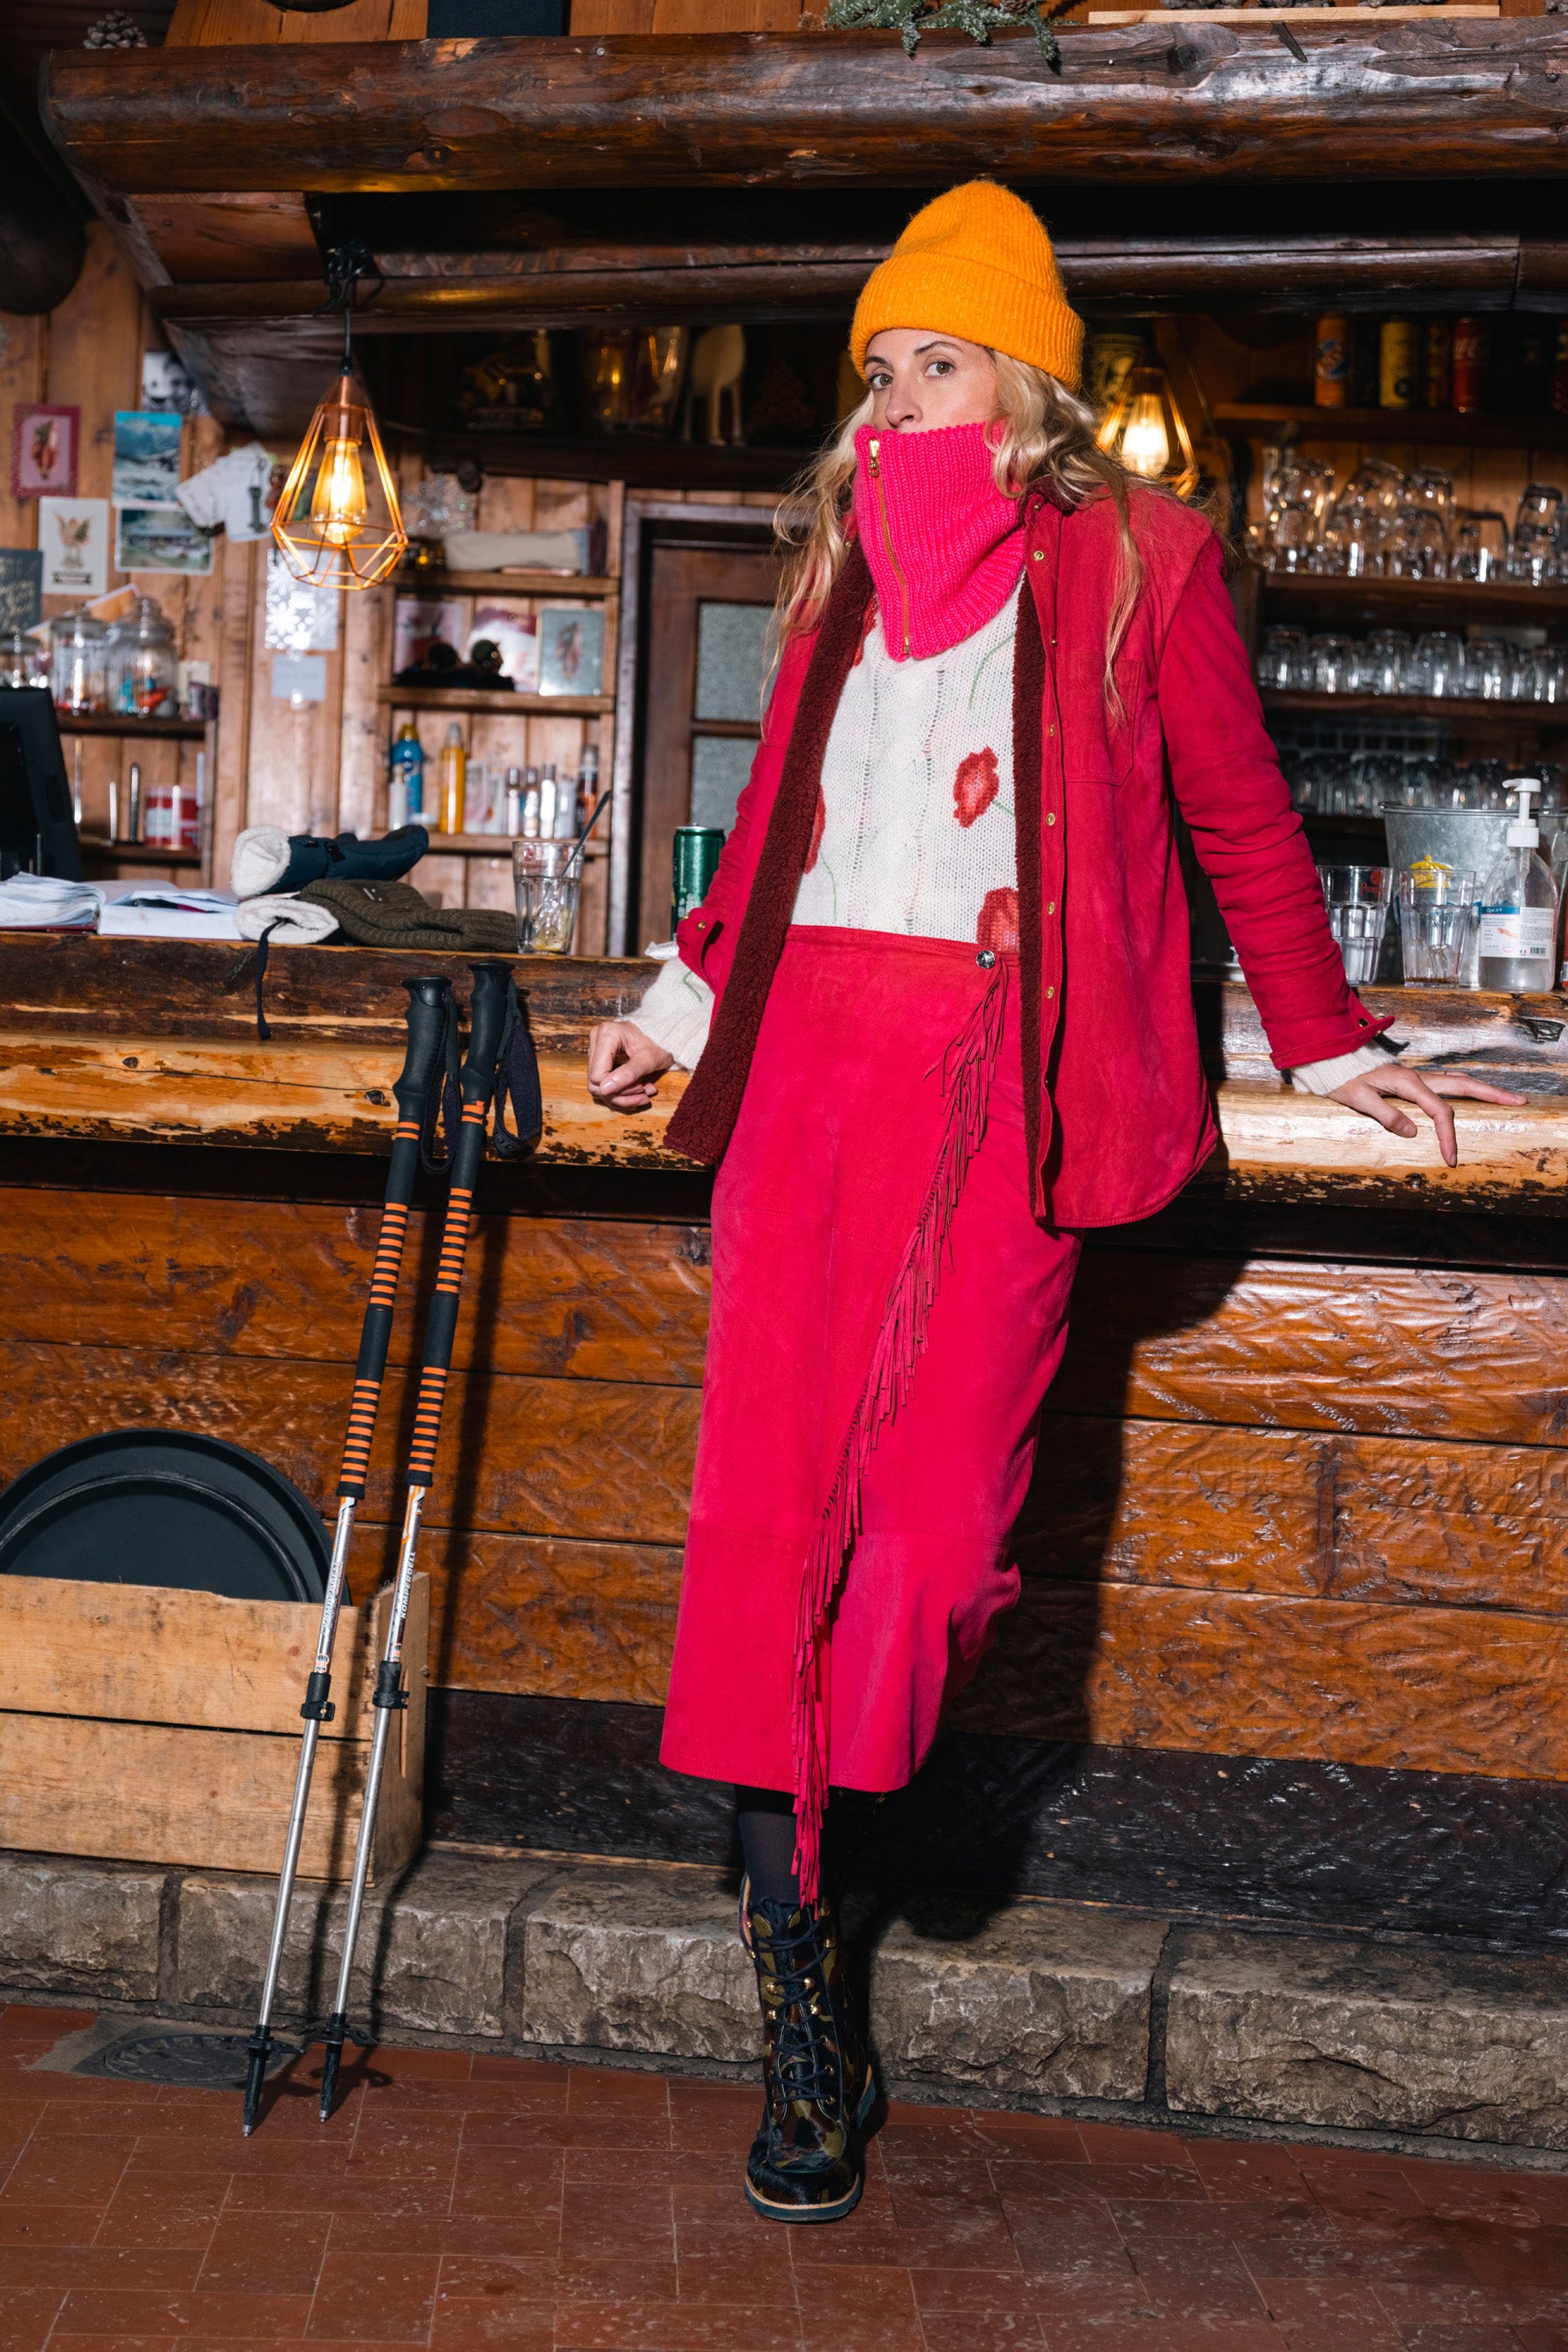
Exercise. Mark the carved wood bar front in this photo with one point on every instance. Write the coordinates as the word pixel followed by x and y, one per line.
pixel 1291 1637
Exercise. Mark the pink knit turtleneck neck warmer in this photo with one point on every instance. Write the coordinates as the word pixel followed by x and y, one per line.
pixel 945 546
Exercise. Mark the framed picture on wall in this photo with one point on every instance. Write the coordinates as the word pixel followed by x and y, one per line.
pixel 44 451
pixel 73 539
pixel 160 539
pixel 571 651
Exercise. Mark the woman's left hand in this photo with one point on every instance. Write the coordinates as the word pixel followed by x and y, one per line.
pixel 1377 1095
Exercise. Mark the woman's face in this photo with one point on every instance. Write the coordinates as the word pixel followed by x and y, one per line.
pixel 921 380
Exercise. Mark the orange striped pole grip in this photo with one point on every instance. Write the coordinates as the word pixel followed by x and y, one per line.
pixel 427 1018
pixel 486 1020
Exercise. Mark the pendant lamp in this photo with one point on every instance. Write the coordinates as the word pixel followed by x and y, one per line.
pixel 1145 429
pixel 337 523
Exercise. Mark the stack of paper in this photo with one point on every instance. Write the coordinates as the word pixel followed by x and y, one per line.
pixel 32 902
pixel 167 910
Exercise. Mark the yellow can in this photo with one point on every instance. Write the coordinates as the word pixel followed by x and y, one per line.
pixel 1399 363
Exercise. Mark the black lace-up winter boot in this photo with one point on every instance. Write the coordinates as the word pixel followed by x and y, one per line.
pixel 805 2163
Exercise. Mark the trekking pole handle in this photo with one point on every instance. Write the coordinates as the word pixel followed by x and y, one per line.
pixel 427 1029
pixel 486 1020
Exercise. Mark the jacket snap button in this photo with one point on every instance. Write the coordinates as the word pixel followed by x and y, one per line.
pixel 985 958
pixel 1039 554
pixel 1050 992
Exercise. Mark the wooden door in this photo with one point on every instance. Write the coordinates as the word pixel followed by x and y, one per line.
pixel 705 657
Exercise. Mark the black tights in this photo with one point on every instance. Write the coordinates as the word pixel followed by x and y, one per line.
pixel 766 1818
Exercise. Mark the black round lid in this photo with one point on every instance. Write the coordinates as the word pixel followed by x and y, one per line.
pixel 163 1507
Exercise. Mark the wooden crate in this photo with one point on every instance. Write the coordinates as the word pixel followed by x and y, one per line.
pixel 141 1724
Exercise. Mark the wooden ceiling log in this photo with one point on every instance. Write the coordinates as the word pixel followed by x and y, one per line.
pixel 1144 104
pixel 494 292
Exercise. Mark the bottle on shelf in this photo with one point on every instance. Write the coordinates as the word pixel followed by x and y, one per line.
pixel 1398 354
pixel 1518 906
pixel 407 770
pixel 454 778
pixel 133 830
pixel 549 795
pixel 1560 371
pixel 514 801
pixel 1331 356
pixel 531 805
pixel 1437 365
pixel 1472 351
pixel 587 784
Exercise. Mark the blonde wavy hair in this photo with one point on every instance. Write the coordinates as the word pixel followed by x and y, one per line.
pixel 1047 441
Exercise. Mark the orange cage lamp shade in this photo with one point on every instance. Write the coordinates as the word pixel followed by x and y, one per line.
pixel 1145 429
pixel 337 523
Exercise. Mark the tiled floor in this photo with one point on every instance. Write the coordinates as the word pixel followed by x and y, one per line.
pixel 466 2203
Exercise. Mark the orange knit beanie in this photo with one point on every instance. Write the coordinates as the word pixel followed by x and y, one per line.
pixel 976 262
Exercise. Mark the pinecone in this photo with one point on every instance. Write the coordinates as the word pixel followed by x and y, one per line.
pixel 115 31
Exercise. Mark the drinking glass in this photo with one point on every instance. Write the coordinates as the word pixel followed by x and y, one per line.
pixel 1295 535
pixel 1431 491
pixel 1384 663
pixel 1489 670
pixel 1333 660
pixel 1438 666
pixel 546 877
pixel 1377 485
pixel 1543 674
pixel 1481 546
pixel 1533 551
pixel 1285 658
pixel 1437 912
pixel 1356 899
pixel 1416 546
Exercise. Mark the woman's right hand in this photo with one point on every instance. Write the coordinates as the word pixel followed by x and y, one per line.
pixel 622 1065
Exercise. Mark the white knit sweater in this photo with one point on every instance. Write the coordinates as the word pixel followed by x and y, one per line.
pixel 915 829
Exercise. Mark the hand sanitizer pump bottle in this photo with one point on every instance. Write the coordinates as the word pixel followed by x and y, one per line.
pixel 1518 906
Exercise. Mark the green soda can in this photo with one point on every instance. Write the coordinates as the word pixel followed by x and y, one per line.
pixel 697 848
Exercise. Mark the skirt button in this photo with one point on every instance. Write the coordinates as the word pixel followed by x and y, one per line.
pixel 985 958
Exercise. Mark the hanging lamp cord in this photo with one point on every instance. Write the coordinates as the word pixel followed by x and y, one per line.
pixel 347 265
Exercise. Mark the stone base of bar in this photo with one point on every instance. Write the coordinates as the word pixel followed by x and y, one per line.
pixel 1034 2003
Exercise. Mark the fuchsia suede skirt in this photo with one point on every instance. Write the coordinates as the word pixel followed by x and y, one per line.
pixel 887 1319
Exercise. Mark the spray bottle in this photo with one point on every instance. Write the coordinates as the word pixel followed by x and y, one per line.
pixel 1518 906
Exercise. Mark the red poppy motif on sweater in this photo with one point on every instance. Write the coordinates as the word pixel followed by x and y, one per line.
pixel 975 786
pixel 998 925
pixel 818 827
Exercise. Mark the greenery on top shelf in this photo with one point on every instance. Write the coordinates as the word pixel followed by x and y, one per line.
pixel 978 18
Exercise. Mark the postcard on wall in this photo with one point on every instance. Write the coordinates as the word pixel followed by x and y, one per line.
pixel 160 539
pixel 73 539
pixel 166 384
pixel 300 617
pixel 419 622
pixel 21 589
pixel 146 457
pixel 44 443
pixel 516 635
pixel 571 651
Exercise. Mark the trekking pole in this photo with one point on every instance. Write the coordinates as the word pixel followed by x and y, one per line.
pixel 488 1010
pixel 432 1022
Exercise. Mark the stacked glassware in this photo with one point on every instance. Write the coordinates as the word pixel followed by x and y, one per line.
pixel 1384 524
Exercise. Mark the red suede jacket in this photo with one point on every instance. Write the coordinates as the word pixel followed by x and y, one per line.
pixel 1119 1111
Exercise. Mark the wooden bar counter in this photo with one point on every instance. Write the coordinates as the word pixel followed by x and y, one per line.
pixel 1292 1637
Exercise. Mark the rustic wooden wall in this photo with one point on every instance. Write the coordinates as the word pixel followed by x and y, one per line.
pixel 1286 1508
pixel 88 354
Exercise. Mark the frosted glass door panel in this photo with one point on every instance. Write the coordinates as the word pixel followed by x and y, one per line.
pixel 720 767
pixel 732 656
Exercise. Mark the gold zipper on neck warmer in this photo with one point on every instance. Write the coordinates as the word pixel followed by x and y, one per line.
pixel 874 451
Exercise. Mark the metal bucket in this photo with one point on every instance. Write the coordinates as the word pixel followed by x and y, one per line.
pixel 1470 841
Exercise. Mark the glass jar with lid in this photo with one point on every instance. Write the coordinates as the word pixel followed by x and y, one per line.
pixel 141 666
pixel 78 670
pixel 23 661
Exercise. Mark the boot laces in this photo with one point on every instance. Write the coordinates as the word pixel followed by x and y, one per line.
pixel 805 2050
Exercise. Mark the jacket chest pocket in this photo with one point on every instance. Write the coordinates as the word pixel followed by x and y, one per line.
pixel 1099 743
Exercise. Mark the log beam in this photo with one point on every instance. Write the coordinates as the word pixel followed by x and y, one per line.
pixel 1146 104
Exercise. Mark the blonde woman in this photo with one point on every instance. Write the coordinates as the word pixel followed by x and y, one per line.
pixel 938 1008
